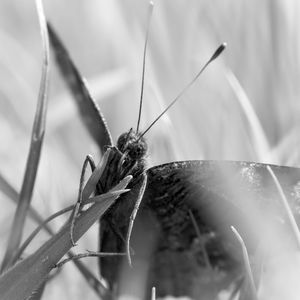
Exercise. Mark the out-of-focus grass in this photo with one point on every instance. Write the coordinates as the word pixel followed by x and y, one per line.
pixel 105 38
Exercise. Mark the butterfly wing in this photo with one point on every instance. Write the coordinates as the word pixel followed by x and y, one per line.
pixel 182 240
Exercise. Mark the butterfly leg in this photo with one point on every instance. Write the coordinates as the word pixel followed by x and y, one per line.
pixel 76 210
pixel 133 215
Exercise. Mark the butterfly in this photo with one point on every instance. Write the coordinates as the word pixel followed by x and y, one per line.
pixel 181 242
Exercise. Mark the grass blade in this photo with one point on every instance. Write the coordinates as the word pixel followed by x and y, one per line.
pixel 247 264
pixel 89 111
pixel 34 151
pixel 153 293
pixel 90 278
pixel 55 215
pixel 19 282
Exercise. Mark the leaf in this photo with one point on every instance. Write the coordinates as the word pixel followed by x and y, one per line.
pixel 19 282
pixel 89 111
pixel 90 278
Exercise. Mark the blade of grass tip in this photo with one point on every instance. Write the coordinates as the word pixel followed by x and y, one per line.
pixel 92 200
pixel 153 293
pixel 19 281
pixel 93 180
pixel 34 151
pixel 259 137
pixel 112 192
pixel 247 264
pixel 287 208
pixel 89 110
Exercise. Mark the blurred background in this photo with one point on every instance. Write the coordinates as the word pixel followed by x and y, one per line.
pixel 244 107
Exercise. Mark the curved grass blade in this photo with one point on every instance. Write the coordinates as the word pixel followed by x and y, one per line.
pixel 37 137
pixel 38 229
pixel 252 288
pixel 89 111
pixel 153 293
pixel 90 278
pixel 54 216
pixel 97 285
pixel 19 282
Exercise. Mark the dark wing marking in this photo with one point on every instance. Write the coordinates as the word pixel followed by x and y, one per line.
pixel 89 111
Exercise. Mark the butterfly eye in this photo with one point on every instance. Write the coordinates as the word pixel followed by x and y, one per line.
pixel 137 149
pixel 131 143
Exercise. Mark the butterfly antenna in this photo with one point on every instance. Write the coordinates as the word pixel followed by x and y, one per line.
pixel 214 56
pixel 144 63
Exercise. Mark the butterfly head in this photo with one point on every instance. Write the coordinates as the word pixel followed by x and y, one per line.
pixel 133 144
